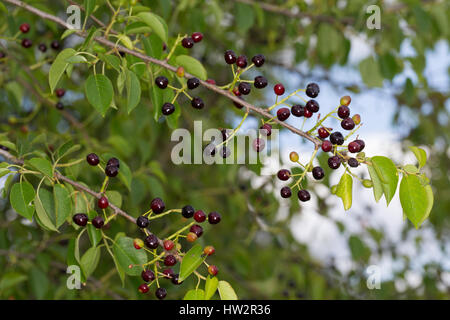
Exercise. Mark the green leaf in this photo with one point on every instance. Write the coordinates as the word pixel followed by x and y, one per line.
pixel 126 255
pixel 157 24
pixel 416 199
pixel 114 197
pixel 63 204
pixel 344 190
pixel 21 197
pixel 39 283
pixel 11 279
pixel 420 154
pixel 370 72
pixel 211 285
pixel 387 172
pixel 89 6
pixel 377 186
pixel 67 148
pixel 99 92
pixel 89 260
pixel 191 261
pixel 111 60
pixel 44 207
pixel 133 86
pixel 77 59
pixel 245 17
pixel 137 27
pixel 42 165
pixel 67 33
pixel 195 294
pixel 226 292
pixel 59 66
pixel 410 168
pixel 192 66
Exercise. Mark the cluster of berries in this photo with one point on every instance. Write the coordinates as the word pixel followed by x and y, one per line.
pixel 189 42
pixel 27 43
pixel 60 93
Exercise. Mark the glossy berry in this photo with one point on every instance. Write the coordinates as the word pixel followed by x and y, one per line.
pixel 258 60
pixel 142 222
pixel 103 203
pixel 24 27
pixel 138 243
pixel 111 171
pixel 318 173
pixel 356 119
pixel 162 82
pixel 175 279
pixel 193 83
pixel 278 89
pixel 298 110
pixel 180 72
pixel 334 162
pixel 147 275
pixel 323 133
pixel 347 124
pixel 26 43
pixel 307 113
pixel 213 270
pixel 59 106
pixel 80 219
pixel 361 144
pixel 168 245
pixel 187 43
pixel 92 159
pixel 230 57
pixel 143 288
pixel 209 250
pixel 214 217
pixel 197 103
pixel 244 88
pixel 285 192
pixel 312 105
pixel 98 222
pixel 283 114
pixel 191 237
pixel 345 100
pixel 167 109
pixel 293 156
pixel 312 90
pixel 42 47
pixel 55 45
pixel 168 273
pixel 161 293
pixel 241 62
pixel 260 82
pixel 303 195
pixel 352 162
pixel 283 174
pixel 266 129
pixel 258 144
pixel 326 146
pixel 187 211
pixel 337 138
pixel 151 241
pixel 343 112
pixel 170 260
pixel 60 92
pixel 197 36
pixel 199 216
pixel 198 230
pixel 113 162
pixel 157 205
pixel 354 147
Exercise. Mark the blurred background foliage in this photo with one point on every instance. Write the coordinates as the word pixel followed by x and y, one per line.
pixel 255 249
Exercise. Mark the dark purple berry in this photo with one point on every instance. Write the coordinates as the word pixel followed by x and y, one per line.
pixel 198 230
pixel 230 57
pixel 26 43
pixel 361 144
pixel 283 114
pixel 162 82
pixel 111 171
pixel 170 260
pixel 187 43
pixel 161 293
pixel 55 45
pixel 334 162
pixel 318 173
pixel 175 279
pixel 80 219
pixel 337 138
pixel 151 241
pixel 303 195
pixel 343 112
pixel 187 211
pixel 147 275
pixel 197 36
pixel 352 162
pixel 283 174
pixel 354 147
pixel 157 205
pixel 92 159
pixel 347 124
pixel 244 88
pixel 258 60
pixel 98 222
pixel 197 103
pixel 312 90
pixel 59 106
pixel 214 217
pixel 260 82
pixel 42 47
pixel 312 105
pixel 285 192
pixel 241 62
pixel 193 83
pixel 113 162
pixel 167 109
pixel 266 129
pixel 298 110
pixel 142 222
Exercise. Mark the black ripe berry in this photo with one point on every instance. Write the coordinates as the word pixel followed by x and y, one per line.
pixel 361 144
pixel 167 109
pixel 347 124
pixel 278 89
pixel 352 162
pixel 323 133
pixel 55 45
pixel 80 219
pixel 334 162
pixel 337 138
pixel 303 195
pixel 42 47
pixel 198 230
pixel 199 216
pixel 283 174
pixel 175 279
pixel 258 60
pixel 162 82
pixel 238 105
pixel 103 203
pixel 26 43
pixel 170 260
pixel 230 57
pixel 157 205
pixel 298 110
pixel 318 173
pixel 260 82
pixel 343 112
pixel 161 293
pixel 151 241
pixel 266 129
pixel 193 83
pixel 24 27
pixel 312 105
pixel 168 273
pixel 326 146
pixel 187 211
pixel 92 159
pixel 147 275
pixel 354 147
pixel 187 43
pixel 312 90
pixel 283 114
pixel 285 192
pixel 98 222
pixel 214 217
pixel 197 103
pixel 59 105
pixel 113 162
pixel 197 36
pixel 111 171
pixel 142 222
pixel 244 88
pixel 241 62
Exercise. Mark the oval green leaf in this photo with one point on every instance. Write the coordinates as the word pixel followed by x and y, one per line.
pixel 387 172
pixel 191 261
pixel 59 66
pixel 420 154
pixel 344 190
pixel 211 287
pixel 156 23
pixel 126 255
pixel 99 92
pixel 133 86
pixel 226 291
pixel 21 197
pixel 192 66
pixel 195 294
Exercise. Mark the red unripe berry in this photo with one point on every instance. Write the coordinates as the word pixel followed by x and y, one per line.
pixel 326 146
pixel 307 113
pixel 24 27
pixel 323 133
pixel 138 243
pixel 199 216
pixel 60 92
pixel 143 288
pixel 103 203
pixel 213 270
pixel 354 147
pixel 278 89
pixel 168 245
pixel 211 81
pixel 197 36
pixel 209 250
